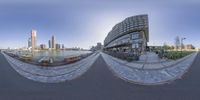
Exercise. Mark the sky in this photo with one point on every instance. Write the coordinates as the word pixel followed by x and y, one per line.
pixel 83 23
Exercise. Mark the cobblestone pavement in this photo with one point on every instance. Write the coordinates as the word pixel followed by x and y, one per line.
pixel 149 74
pixel 52 74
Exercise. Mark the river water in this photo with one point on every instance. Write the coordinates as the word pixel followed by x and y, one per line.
pixel 57 55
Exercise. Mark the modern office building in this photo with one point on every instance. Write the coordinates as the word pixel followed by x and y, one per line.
pixel 29 42
pixel 99 46
pixel 42 46
pixel 189 46
pixel 33 39
pixel 50 44
pixel 57 46
pixel 130 35
pixel 53 42
pixel 63 46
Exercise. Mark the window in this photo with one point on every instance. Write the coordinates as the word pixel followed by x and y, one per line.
pixel 135 35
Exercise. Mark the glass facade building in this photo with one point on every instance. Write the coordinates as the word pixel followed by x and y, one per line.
pixel 53 42
pixel 29 42
pixel 50 44
pixel 33 39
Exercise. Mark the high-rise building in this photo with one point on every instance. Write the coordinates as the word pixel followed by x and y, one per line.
pixel 99 46
pixel 50 44
pixel 63 46
pixel 57 46
pixel 53 42
pixel 42 46
pixel 33 39
pixel 29 42
pixel 189 46
pixel 130 35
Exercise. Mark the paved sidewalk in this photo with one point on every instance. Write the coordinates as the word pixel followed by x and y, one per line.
pixel 149 74
pixel 150 57
pixel 153 63
pixel 52 74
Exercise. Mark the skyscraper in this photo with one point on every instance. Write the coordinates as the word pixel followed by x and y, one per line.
pixel 53 42
pixel 63 46
pixel 57 46
pixel 29 42
pixel 50 44
pixel 33 39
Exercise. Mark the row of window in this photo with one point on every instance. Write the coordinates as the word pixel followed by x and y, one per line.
pixel 134 37
pixel 129 24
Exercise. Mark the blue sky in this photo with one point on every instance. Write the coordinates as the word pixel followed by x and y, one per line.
pixel 83 23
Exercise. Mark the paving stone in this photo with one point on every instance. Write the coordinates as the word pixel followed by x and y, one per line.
pixel 147 76
pixel 53 74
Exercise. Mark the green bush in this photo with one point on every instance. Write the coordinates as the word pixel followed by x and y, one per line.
pixel 176 54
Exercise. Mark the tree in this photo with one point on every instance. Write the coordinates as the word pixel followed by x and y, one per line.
pixel 177 43
pixel 165 46
pixel 172 47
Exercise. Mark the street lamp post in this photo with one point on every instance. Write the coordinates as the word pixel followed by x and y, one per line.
pixel 182 44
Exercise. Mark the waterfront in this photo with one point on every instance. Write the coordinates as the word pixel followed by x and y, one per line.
pixel 57 55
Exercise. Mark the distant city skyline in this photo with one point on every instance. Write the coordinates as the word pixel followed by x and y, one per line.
pixel 84 23
pixel 32 42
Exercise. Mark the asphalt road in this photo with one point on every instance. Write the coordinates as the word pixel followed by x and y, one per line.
pixel 98 83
